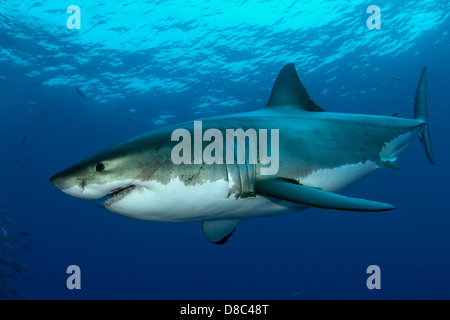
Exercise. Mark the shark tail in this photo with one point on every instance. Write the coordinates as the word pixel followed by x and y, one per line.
pixel 421 113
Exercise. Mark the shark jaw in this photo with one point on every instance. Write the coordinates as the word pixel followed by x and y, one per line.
pixel 119 195
pixel 113 191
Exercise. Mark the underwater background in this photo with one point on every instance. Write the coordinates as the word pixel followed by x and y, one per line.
pixel 134 66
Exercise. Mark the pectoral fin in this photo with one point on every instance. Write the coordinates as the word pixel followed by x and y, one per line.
pixel 218 231
pixel 317 198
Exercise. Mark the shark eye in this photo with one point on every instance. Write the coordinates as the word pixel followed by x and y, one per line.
pixel 99 167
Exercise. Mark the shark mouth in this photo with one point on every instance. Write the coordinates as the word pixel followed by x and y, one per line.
pixel 119 194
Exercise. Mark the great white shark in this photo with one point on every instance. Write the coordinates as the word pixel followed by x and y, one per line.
pixel 320 155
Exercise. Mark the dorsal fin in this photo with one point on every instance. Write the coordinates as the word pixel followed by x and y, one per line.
pixel 289 90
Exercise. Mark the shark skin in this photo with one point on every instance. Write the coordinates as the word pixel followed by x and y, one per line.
pixel 320 155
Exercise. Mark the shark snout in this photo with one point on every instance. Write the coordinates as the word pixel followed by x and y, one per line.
pixel 60 181
pixel 68 185
pixel 83 187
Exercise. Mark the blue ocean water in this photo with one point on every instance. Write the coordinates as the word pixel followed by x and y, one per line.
pixel 143 65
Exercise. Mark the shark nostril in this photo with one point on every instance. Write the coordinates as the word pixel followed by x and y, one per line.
pixel 81 183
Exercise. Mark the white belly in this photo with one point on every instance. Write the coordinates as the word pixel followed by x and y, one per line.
pixel 176 202
pixel 340 178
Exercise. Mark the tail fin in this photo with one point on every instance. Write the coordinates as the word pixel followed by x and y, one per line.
pixel 421 112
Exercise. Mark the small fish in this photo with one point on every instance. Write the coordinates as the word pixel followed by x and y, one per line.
pixel 23 139
pixel 16 160
pixel 62 282
pixel 132 121
pixel 80 92
pixel 395 78
pixel 24 233
pixel 296 294
pixel 14 293
pixel 18 271
pixel 21 265
pixel 246 263
pixel 4 237
pixel 4 222
pixel 18 267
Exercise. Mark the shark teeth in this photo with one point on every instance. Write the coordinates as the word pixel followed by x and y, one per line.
pixel 119 195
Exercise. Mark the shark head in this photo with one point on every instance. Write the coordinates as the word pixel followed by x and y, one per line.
pixel 115 173
pixel 138 179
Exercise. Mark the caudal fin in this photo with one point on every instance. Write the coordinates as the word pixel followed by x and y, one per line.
pixel 421 112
